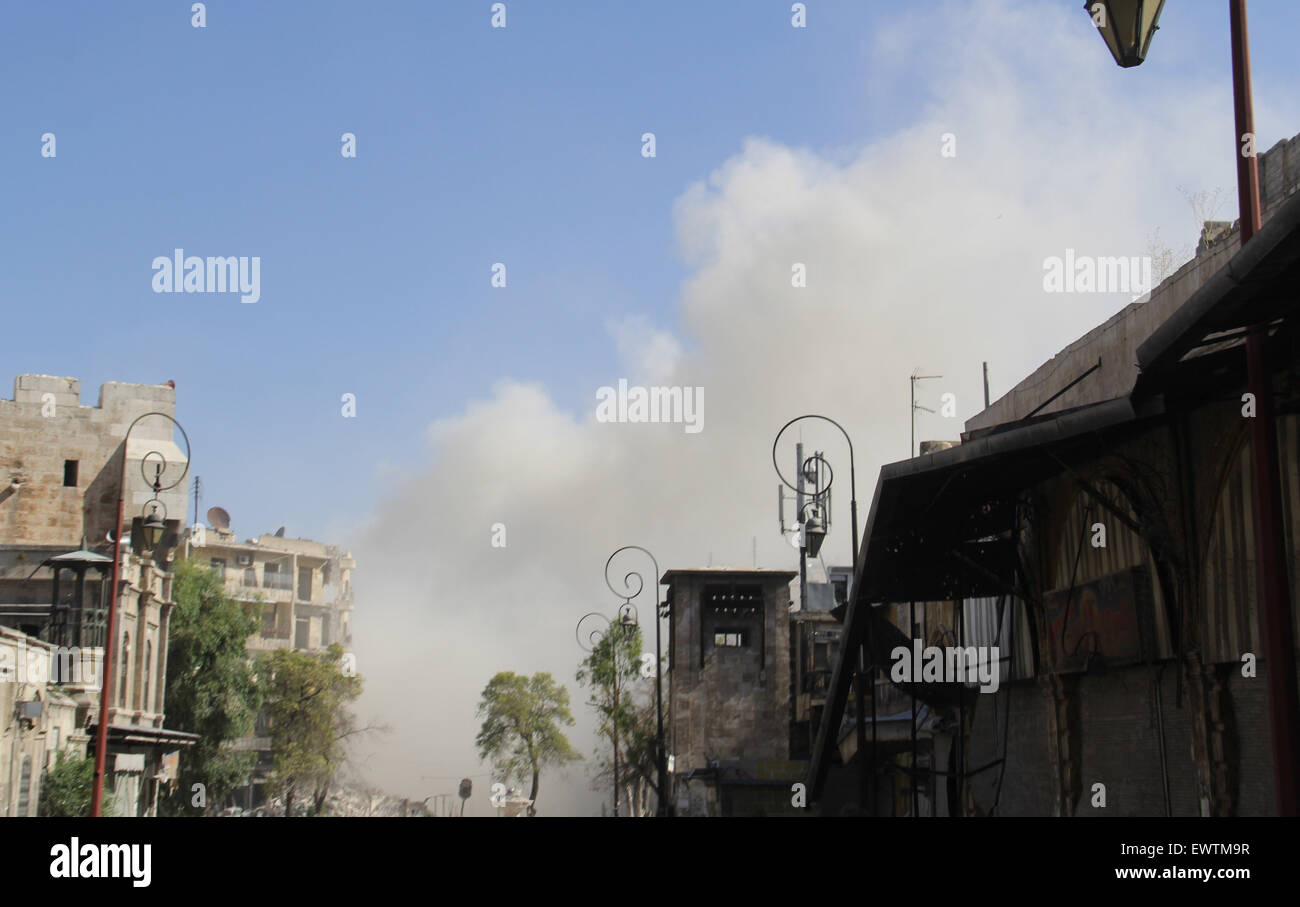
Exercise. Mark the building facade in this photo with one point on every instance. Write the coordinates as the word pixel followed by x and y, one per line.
pixel 1096 526
pixel 62 466
pixel 729 691
pixel 303 592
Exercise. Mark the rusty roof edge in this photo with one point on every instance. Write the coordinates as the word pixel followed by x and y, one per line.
pixel 1235 273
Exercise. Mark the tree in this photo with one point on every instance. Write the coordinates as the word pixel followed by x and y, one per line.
pixel 307 697
pixel 210 687
pixel 66 790
pixel 521 727
pixel 613 672
pixel 638 771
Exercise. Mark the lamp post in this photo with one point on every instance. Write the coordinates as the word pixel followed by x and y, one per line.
pixel 1127 26
pixel 866 772
pixel 625 622
pixel 662 807
pixel 153 529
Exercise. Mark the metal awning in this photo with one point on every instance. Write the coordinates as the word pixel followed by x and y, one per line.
pixel 939 529
pixel 1259 284
pixel 939 524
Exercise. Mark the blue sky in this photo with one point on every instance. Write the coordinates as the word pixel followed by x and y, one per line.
pixel 475 145
pixel 522 145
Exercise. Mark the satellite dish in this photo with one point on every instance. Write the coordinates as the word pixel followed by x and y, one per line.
pixel 279 533
pixel 218 518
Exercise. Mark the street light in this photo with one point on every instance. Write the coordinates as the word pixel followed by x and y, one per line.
pixel 154 527
pixel 628 593
pixel 626 621
pixel 814 532
pixel 1266 483
pixel 1127 26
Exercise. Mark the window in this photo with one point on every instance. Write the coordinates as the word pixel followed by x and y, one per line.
pixel 269 621
pixel 273 577
pixel 304 583
pixel 25 786
pixel 148 658
pixel 218 565
pixel 730 638
pixel 69 473
pixel 841 590
pixel 126 658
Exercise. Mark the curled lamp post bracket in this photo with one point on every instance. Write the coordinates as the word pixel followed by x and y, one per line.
pixel 777 442
pixel 156 482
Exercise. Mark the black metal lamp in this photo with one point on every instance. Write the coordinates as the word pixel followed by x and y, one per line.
pixel 1127 26
pixel 154 528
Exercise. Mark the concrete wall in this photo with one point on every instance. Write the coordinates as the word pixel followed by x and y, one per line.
pixel 1115 342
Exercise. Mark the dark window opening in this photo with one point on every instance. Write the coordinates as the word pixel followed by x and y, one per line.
pixel 841 591
pixel 69 473
pixel 218 565
pixel 304 583
pixel 269 621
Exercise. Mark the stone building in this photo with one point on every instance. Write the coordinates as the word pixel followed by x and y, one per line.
pixel 40 720
pixel 303 590
pixel 1096 526
pixel 728 690
pixel 61 468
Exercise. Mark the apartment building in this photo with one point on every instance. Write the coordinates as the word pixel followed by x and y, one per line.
pixel 303 590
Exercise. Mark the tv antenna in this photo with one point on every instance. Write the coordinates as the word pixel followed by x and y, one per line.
pixel 917 376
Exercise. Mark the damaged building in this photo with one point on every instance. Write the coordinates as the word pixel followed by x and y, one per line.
pixel 1097 526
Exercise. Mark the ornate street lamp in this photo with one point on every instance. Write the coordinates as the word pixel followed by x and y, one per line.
pixel 814 532
pixel 155 524
pixel 627 594
pixel 153 529
pixel 1127 26
pixel 626 622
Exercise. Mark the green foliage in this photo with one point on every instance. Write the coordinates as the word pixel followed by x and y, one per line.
pixel 307 697
pixel 521 727
pixel 611 672
pixel 66 790
pixel 211 689
pixel 618 696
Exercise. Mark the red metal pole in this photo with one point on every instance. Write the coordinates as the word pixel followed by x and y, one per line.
pixel 1266 486
pixel 105 687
